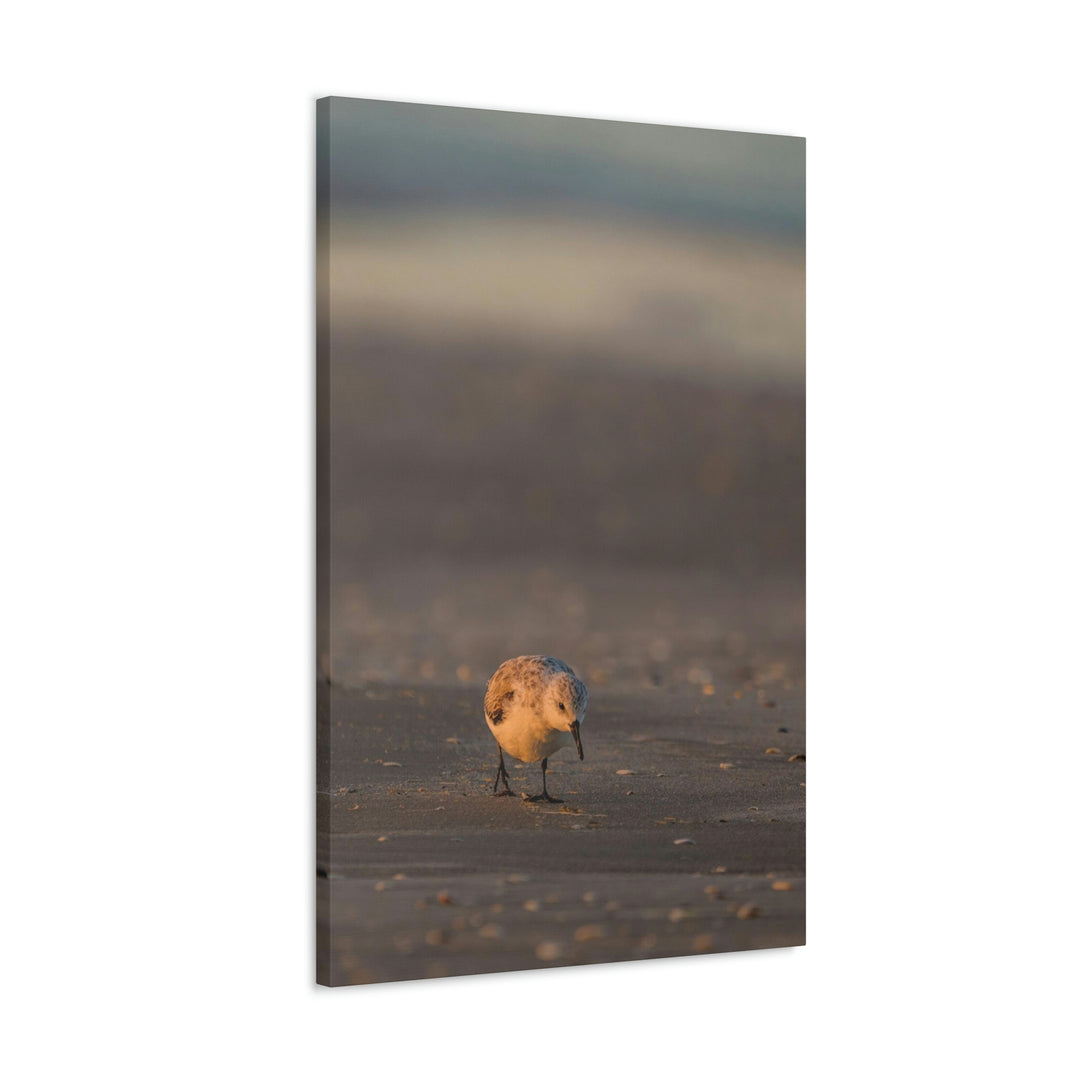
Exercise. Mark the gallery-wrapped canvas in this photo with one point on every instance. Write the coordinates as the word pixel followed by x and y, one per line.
pixel 561 496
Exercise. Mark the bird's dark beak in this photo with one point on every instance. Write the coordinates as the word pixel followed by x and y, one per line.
pixel 575 730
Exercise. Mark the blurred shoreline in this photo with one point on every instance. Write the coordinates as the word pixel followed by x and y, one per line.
pixel 631 295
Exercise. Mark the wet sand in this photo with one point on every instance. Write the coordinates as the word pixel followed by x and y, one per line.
pixel 423 874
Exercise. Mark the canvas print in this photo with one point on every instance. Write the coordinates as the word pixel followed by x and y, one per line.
pixel 560 541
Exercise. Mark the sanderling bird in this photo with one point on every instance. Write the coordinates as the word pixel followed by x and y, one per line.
pixel 534 706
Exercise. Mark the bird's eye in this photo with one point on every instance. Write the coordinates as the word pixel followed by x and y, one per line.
pixel 562 706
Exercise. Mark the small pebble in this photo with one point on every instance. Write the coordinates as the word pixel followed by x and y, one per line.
pixel 382 840
pixel 591 932
pixel 436 936
pixel 548 950
pixel 612 905
pixel 782 730
pixel 391 764
pixel 782 886
pixel 677 914
pixel 444 898
pixel 516 879
pixel 491 931
pixel 399 877
pixel 748 911
pixel 702 943
pixel 774 750
pixel 588 897
pixel 625 772
pixel 713 893
pixel 797 757
pixel 683 840
pixel 531 905
pixel 379 886
pixel 719 870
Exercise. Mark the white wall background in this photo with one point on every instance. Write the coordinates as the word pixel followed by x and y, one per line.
pixel 156 443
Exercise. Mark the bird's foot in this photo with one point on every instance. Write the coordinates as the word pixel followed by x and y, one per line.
pixel 543 797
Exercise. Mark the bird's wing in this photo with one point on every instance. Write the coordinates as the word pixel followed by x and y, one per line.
pixel 499 691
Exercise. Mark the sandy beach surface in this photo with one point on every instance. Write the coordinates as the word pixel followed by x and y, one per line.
pixel 682 832
pixel 656 546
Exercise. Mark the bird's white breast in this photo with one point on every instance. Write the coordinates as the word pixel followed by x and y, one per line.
pixel 526 735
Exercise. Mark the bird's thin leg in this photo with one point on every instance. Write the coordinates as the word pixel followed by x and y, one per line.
pixel 504 776
pixel 545 796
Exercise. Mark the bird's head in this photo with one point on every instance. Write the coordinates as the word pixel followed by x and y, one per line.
pixel 566 704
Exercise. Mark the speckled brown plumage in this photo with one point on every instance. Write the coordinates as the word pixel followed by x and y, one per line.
pixel 522 679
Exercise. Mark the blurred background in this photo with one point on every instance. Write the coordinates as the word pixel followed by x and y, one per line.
pixel 562 402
